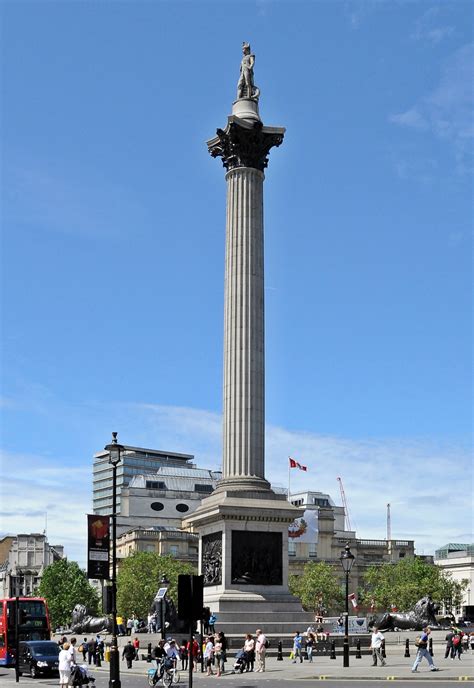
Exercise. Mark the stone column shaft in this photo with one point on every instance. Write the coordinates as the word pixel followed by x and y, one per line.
pixel 244 355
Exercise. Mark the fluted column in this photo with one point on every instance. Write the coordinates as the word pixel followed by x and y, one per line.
pixel 244 146
pixel 244 341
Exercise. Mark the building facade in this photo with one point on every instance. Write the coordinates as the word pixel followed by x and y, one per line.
pixel 134 461
pixel 458 560
pixel 320 535
pixel 24 558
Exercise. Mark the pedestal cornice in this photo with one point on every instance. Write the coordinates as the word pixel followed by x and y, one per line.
pixel 245 144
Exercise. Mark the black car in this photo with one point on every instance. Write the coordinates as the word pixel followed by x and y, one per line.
pixel 39 658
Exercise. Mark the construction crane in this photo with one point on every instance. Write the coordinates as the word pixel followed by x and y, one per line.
pixel 389 524
pixel 344 504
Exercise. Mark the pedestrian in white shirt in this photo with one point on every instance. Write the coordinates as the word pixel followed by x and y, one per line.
pixel 376 646
pixel 260 649
pixel 64 665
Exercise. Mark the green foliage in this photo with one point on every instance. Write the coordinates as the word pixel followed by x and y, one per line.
pixel 405 582
pixel 318 587
pixel 139 578
pixel 64 585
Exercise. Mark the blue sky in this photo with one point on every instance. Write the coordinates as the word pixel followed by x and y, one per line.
pixel 113 230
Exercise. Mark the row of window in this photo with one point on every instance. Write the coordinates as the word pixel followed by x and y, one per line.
pixel 159 506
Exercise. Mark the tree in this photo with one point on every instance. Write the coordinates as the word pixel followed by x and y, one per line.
pixel 64 584
pixel 404 583
pixel 318 587
pixel 139 578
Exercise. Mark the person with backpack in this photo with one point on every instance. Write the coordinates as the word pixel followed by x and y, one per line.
pixel 421 644
pixel 457 645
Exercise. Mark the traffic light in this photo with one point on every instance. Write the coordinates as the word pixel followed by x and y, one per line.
pixel 190 594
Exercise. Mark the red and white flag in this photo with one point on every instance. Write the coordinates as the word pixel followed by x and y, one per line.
pixel 353 599
pixel 295 464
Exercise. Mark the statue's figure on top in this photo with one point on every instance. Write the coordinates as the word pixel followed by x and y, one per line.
pixel 246 87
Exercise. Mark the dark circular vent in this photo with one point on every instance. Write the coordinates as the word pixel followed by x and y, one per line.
pixel 157 506
pixel 182 508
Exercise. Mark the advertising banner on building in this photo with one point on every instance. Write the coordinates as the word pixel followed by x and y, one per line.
pixel 98 544
pixel 304 529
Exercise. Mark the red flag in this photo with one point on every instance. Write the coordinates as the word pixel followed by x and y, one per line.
pixel 295 464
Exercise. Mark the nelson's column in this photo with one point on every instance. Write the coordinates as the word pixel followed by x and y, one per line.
pixel 243 525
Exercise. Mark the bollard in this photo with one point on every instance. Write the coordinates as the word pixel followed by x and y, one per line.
pixel 358 654
pixel 148 656
pixel 97 658
pixel 430 647
pixel 407 648
pixel 333 650
pixel 280 652
pixel 383 649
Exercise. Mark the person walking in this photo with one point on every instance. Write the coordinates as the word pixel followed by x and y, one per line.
pixel 209 655
pixel 91 651
pixel 297 647
pixel 423 651
pixel 376 641
pixel 183 654
pixel 193 652
pixel 129 626
pixel 448 652
pixel 222 658
pixel 457 645
pixel 84 649
pixel 310 641
pixel 64 665
pixel 249 649
pixel 212 622
pixel 129 654
pixel 261 645
pixel 136 647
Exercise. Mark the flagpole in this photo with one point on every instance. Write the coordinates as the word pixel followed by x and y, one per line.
pixel 289 473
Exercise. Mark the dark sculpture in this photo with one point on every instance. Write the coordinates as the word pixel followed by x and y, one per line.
pixel 245 144
pixel 83 622
pixel 423 614
pixel 212 559
pixel 172 623
pixel 257 558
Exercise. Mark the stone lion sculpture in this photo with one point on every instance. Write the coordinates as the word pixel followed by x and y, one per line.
pixel 423 614
pixel 83 622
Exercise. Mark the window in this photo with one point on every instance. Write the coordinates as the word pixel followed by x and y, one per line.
pixel 312 551
pixel 174 550
pixel 401 555
pixel 320 502
pixel 182 508
pixel 157 506
pixel 292 549
pixel 203 488
pixel 155 485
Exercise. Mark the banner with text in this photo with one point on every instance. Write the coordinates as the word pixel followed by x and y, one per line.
pixel 98 545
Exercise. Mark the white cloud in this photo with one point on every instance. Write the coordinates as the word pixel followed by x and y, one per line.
pixel 447 111
pixel 427 27
pixel 416 476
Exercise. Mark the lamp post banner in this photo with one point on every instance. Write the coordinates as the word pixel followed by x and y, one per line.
pixel 98 546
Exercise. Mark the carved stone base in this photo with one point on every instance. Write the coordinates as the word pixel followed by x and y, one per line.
pixel 244 555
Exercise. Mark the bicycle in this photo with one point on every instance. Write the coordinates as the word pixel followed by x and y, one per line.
pixel 169 677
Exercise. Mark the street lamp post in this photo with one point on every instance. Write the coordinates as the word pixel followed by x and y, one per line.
pixel 347 560
pixel 115 449
pixel 164 584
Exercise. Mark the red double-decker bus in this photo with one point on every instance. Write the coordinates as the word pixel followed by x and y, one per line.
pixel 33 624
